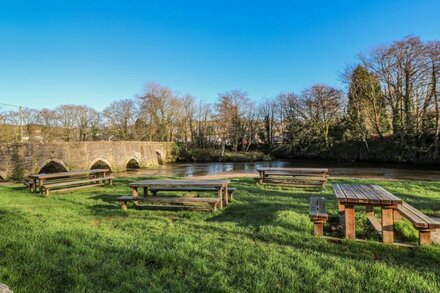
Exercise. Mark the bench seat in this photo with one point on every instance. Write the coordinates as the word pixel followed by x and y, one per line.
pixel 155 190
pixel 295 182
pixel 424 224
pixel 318 215
pixel 123 200
pixel 76 184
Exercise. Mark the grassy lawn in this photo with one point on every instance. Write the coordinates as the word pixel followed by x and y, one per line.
pixel 83 242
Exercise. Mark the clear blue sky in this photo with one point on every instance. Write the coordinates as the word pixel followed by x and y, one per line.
pixel 95 52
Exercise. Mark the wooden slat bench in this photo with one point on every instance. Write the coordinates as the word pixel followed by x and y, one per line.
pixel 39 180
pixel 29 184
pixel 297 177
pixel 76 184
pixel 213 202
pixel 220 186
pixel 318 215
pixel 155 190
pixel 424 224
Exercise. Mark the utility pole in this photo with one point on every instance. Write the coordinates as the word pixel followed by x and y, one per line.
pixel 20 114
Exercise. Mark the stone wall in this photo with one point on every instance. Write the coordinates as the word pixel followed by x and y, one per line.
pixel 21 159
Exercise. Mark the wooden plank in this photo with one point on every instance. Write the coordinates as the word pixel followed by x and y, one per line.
pixel 308 176
pixel 220 198
pixel 431 222
pixel 68 174
pixel 195 189
pixel 169 199
pixel 394 199
pixel 425 237
pixel 362 198
pixel 158 183
pixel 387 225
pixel 298 170
pixel 373 220
pixel 351 197
pixel 349 222
pixel 340 195
pixel 76 187
pixel 372 198
pixel 412 217
pixel 384 200
pixel 76 182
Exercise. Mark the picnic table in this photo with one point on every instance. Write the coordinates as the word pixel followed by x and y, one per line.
pixel 219 186
pixel 299 177
pixel 349 196
pixel 40 181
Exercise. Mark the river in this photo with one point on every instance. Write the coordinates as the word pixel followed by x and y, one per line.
pixel 336 169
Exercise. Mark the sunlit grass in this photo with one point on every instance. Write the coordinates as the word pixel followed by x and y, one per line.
pixel 83 241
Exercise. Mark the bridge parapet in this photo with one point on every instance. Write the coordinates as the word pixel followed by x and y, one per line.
pixel 21 159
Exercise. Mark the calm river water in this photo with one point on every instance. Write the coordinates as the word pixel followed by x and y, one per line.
pixel 358 170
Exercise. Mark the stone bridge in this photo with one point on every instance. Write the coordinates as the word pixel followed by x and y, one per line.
pixel 21 159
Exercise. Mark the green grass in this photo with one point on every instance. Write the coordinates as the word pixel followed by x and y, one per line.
pixel 262 242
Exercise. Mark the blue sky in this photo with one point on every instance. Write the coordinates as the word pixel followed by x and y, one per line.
pixel 95 52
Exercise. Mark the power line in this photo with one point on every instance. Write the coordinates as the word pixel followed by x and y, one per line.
pixel 16 106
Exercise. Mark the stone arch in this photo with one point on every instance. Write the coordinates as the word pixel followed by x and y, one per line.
pixel 133 163
pixel 101 163
pixel 53 166
pixel 160 157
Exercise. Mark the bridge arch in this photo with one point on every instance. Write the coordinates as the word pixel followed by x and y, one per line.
pixel 133 163
pixel 52 166
pixel 100 163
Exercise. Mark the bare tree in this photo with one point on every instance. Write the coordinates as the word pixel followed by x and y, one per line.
pixel 120 116
pixel 321 107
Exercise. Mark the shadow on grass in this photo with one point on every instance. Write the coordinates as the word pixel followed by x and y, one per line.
pixel 416 258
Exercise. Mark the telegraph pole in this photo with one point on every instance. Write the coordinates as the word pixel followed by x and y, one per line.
pixel 20 114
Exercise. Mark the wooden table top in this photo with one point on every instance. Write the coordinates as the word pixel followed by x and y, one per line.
pixel 167 182
pixel 364 194
pixel 67 174
pixel 297 170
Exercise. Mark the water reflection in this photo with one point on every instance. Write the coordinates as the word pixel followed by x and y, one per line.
pixel 360 170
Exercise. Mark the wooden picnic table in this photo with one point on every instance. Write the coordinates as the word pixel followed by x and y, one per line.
pixel 349 196
pixel 220 185
pixel 40 178
pixel 299 176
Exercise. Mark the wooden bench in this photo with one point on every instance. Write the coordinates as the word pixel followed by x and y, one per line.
pixel 424 224
pixel 29 184
pixel 76 184
pixel 296 177
pixel 155 190
pixel 123 200
pixel 318 215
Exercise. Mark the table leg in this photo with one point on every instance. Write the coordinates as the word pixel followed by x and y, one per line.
pixel 349 218
pixel 220 198
pixel 226 194
pixel 145 191
pixel 387 225
pixel 396 215
pixel 425 237
pixel 135 194
pixel 40 185
pixel 341 211
pixel 35 185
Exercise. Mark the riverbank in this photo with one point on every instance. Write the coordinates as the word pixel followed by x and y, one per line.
pixel 216 155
